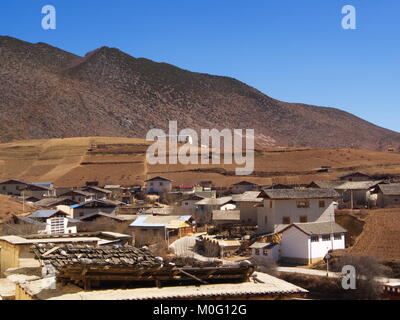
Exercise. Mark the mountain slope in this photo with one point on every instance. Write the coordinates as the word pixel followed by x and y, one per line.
pixel 49 93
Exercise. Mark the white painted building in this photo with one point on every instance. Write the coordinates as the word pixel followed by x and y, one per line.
pixel 265 250
pixel 307 243
pixel 287 206
pixel 158 185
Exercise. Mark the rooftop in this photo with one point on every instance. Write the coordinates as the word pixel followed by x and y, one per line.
pixel 226 215
pixel 318 228
pixel 392 189
pixel 260 284
pixel 280 194
pixel 214 201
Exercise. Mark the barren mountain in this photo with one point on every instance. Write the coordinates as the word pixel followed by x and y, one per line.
pixel 46 92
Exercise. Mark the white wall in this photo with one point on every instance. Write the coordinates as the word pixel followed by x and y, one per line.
pixel 288 208
pixel 294 244
pixel 320 249
pixel 158 186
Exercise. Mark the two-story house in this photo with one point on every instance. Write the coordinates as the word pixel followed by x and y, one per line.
pixel 286 206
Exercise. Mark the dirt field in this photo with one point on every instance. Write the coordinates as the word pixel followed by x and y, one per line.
pixel 8 207
pixel 73 161
pixel 380 236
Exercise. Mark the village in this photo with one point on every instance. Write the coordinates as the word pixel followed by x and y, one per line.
pixel 245 241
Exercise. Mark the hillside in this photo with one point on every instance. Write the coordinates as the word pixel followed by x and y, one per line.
pixel 380 236
pixel 8 207
pixel 109 160
pixel 46 92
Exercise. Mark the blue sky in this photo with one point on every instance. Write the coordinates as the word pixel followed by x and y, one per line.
pixel 292 50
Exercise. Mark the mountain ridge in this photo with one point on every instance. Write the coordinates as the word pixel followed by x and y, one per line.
pixel 46 92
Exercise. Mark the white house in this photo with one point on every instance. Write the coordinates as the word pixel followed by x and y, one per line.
pixel 264 250
pixel 205 207
pixel 158 185
pixel 307 243
pixel 78 195
pixel 244 186
pixel 287 206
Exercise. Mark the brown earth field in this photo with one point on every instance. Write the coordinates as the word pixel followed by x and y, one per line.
pixel 73 161
pixel 380 236
pixel 9 206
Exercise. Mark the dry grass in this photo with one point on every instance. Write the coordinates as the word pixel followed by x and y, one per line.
pixel 381 235
pixel 72 162
pixel 8 207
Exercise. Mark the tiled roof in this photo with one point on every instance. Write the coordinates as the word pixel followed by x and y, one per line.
pixel 70 255
pixel 262 245
pixel 45 213
pixel 160 221
pixel 300 193
pixel 392 189
pixel 357 185
pixel 226 215
pixel 214 201
pixel 250 196
pixel 264 285
pixel 319 228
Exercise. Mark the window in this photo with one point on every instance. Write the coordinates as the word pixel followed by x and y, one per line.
pixel 303 204
pixel 144 230
pixel 337 236
pixel 81 214
pixel 314 238
pixel 186 203
pixel 322 204
pixel 286 220
pixel 265 252
pixel 265 220
pixel 326 237
pixel 257 252
pixel 303 219
pixel 270 204
pixel 161 183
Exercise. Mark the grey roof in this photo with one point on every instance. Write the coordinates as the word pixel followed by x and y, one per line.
pixel 262 245
pixel 83 193
pixel 392 189
pixel 248 196
pixel 48 202
pixel 233 215
pixel 267 285
pixel 355 174
pixel 357 185
pixel 318 228
pixel 160 211
pixel 98 189
pixel 214 201
pixel 328 184
pixel 45 213
pixel 300 193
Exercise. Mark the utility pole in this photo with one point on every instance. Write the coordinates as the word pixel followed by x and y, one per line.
pixel 23 201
